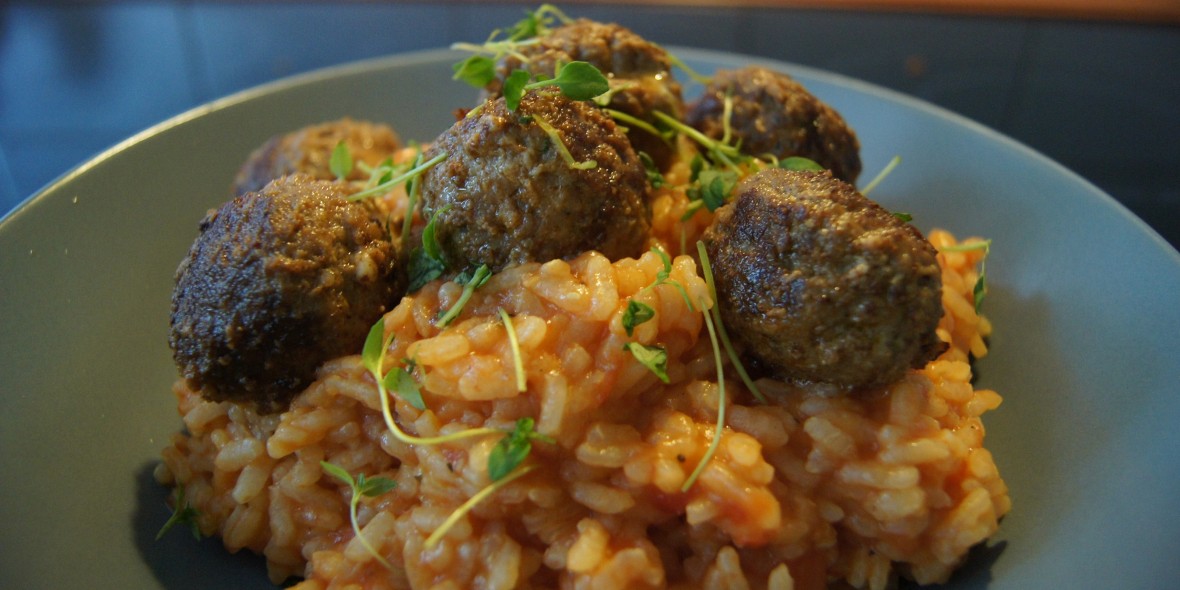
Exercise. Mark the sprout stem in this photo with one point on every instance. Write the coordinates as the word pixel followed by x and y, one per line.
pixel 466 507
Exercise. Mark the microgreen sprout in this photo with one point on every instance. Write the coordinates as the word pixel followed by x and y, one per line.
pixel 413 189
pixel 555 137
pixel 517 361
pixel 387 184
pixel 361 486
pixel 183 514
pixel 722 153
pixel 470 282
pixel 373 359
pixel 629 120
pixel 426 262
pixel 720 427
pixel 881 176
pixel 979 291
pixel 466 507
pixel 514 448
pixel 654 178
pixel 799 164
pixel 340 162
pixel 697 77
pixel 707 271
pixel 479 69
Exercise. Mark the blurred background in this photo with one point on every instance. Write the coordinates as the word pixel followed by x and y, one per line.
pixel 1093 84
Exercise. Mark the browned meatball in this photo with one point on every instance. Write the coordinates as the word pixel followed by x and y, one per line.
pixel 819 284
pixel 308 151
pixel 505 194
pixel 277 282
pixel 639 68
pixel 773 114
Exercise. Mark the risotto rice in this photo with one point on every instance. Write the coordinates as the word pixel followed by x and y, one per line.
pixel 805 491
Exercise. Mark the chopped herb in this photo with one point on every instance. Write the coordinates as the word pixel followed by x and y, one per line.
pixel 655 358
pixel 340 162
pixel 182 514
pixel 903 217
pixel 471 282
pixel 361 486
pixel 636 314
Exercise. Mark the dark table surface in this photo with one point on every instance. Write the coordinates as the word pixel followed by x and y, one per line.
pixel 1099 97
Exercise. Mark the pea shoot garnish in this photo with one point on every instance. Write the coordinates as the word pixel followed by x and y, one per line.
pixel 517 361
pixel 881 175
pixel 479 69
pixel 389 182
pixel 366 487
pixel 471 282
pixel 979 291
pixel 426 262
pixel 340 162
pixel 555 137
pixel 466 507
pixel 707 271
pixel 800 164
pixel 182 514
pixel 514 448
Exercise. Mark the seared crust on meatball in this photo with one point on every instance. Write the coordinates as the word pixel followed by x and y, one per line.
pixel 505 195
pixel 819 284
pixel 773 114
pixel 308 151
pixel 277 282
pixel 639 68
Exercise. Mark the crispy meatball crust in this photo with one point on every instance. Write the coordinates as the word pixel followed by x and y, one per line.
pixel 308 151
pixel 277 282
pixel 642 69
pixel 504 195
pixel 773 114
pixel 819 284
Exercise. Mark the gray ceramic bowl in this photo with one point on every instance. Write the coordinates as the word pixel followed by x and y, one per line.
pixel 1083 297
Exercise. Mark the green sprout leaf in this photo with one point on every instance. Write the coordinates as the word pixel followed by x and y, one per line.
pixel 401 382
pixel 476 70
pixel 799 164
pixel 517 361
pixel 654 178
pixel 655 358
pixel 514 448
pixel 182 514
pixel 340 162
pixel 472 282
pixel 636 314
pixel 713 187
pixel 514 87
pixel 362 486
pixel 903 217
pixel 577 80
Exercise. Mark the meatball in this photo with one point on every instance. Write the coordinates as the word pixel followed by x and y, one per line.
pixel 309 150
pixel 639 69
pixel 277 282
pixel 817 283
pixel 505 194
pixel 773 114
